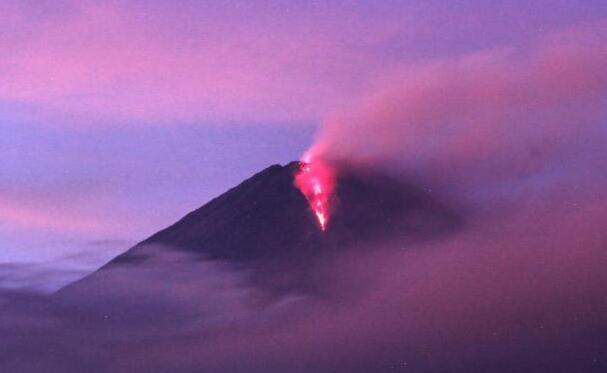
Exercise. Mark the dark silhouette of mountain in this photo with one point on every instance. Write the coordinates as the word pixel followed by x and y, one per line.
pixel 265 226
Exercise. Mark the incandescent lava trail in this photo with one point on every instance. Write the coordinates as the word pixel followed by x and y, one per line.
pixel 316 180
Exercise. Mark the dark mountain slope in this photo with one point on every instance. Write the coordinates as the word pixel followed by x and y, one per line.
pixel 264 225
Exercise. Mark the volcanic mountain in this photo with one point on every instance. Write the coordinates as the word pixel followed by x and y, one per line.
pixel 265 227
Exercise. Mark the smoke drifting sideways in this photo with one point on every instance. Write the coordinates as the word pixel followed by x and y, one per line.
pixel 485 118
pixel 518 140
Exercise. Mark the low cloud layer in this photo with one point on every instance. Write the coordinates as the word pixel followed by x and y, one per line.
pixel 520 291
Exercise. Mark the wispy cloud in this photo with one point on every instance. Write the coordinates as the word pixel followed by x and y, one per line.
pixel 119 62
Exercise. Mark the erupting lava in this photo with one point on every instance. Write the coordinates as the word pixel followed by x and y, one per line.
pixel 316 181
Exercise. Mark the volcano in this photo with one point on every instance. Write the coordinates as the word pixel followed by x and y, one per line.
pixel 265 227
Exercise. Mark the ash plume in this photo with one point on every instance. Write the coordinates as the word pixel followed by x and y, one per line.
pixel 481 119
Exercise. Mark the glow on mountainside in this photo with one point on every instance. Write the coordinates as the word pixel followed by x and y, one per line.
pixel 316 181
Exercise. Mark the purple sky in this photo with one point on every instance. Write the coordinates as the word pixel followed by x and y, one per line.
pixel 118 118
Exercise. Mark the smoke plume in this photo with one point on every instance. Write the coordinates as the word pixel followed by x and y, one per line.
pixel 483 118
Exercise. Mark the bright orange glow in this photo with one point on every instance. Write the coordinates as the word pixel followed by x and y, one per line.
pixel 316 181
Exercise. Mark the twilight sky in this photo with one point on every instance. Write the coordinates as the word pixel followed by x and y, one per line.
pixel 118 117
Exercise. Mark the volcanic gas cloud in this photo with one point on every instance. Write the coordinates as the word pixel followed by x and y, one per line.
pixel 316 180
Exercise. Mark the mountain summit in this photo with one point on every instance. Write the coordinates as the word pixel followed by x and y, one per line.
pixel 265 225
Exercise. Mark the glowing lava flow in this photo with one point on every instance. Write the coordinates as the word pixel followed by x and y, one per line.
pixel 316 181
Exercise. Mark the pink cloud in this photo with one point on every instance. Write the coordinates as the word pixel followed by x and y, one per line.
pixel 19 214
pixel 67 212
pixel 95 63
pixel 119 62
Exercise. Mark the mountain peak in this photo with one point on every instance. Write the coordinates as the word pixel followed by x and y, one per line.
pixel 265 221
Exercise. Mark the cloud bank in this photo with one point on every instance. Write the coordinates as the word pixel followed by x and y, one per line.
pixel 518 292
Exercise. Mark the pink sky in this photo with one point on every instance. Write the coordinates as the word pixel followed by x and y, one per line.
pixel 87 62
